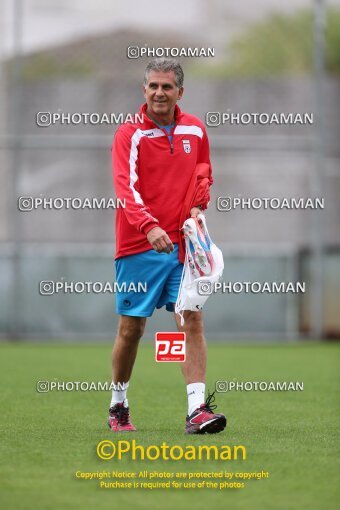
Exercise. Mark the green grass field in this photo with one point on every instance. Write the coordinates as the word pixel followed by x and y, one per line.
pixel 47 437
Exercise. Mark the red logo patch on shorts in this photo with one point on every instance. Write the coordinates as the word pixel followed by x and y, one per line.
pixel 170 346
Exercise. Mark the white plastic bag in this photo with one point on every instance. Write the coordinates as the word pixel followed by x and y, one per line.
pixel 195 288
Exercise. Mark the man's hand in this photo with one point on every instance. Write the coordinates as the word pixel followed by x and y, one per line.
pixel 195 211
pixel 159 240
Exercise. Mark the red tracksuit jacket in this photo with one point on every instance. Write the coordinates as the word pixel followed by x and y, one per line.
pixel 152 176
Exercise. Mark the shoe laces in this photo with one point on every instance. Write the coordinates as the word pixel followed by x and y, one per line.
pixel 208 405
pixel 122 414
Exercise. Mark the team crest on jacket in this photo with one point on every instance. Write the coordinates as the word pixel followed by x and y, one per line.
pixel 186 146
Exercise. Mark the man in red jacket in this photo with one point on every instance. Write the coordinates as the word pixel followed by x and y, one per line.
pixel 153 165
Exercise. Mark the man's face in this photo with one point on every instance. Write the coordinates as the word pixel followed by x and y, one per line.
pixel 161 92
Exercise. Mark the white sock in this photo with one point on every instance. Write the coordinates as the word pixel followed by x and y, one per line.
pixel 119 394
pixel 196 396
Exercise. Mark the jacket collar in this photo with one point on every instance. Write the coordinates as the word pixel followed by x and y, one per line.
pixel 151 123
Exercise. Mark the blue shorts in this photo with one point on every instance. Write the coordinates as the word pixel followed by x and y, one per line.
pixel 160 273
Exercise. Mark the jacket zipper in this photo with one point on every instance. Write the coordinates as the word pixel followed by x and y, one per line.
pixel 168 136
pixel 172 139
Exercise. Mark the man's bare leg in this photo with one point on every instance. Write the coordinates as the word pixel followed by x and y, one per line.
pixel 194 367
pixel 201 417
pixel 130 331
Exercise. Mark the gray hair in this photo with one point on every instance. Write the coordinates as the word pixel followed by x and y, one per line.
pixel 165 65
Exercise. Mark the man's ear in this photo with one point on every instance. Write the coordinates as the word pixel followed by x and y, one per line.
pixel 144 91
pixel 180 92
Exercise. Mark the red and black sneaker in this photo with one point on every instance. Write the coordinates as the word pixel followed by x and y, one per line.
pixel 119 419
pixel 204 420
